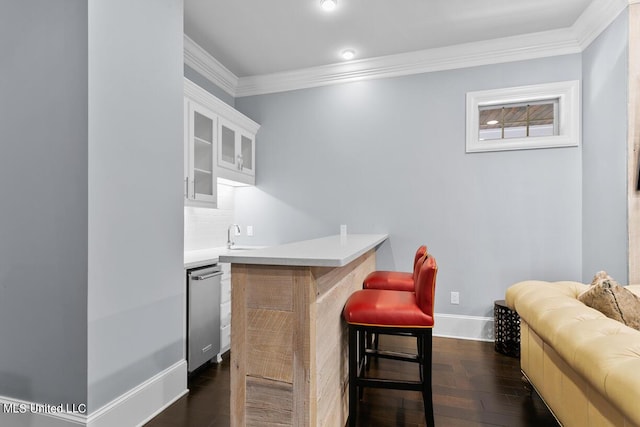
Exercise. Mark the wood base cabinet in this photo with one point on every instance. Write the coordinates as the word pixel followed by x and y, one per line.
pixel 289 343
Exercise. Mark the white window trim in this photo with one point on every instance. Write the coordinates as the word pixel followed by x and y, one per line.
pixel 568 95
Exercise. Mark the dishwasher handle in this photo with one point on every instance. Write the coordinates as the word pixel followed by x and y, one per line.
pixel 207 276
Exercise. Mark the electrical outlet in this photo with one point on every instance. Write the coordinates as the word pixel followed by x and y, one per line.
pixel 455 297
pixel 249 230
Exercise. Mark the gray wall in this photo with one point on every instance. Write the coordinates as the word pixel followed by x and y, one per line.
pixel 43 192
pixel 604 173
pixel 389 156
pixel 136 296
pixel 206 84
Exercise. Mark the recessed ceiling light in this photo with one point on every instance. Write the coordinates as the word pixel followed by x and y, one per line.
pixel 348 54
pixel 329 5
pixel 492 122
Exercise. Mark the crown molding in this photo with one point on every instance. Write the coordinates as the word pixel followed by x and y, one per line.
pixel 595 19
pixel 205 64
pixel 508 49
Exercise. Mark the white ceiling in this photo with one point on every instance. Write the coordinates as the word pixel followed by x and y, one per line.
pixel 257 37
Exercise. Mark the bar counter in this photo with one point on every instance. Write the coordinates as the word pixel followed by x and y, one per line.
pixel 288 340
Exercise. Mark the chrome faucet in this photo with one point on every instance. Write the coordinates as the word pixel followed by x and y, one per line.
pixel 230 241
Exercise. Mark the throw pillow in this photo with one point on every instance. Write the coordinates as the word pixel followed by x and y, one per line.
pixel 612 300
pixel 601 277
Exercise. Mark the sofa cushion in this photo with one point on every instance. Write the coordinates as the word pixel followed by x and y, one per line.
pixel 612 300
pixel 534 300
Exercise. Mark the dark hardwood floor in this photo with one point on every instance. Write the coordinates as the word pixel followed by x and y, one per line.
pixel 472 386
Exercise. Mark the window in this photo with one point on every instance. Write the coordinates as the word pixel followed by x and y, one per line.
pixel 526 117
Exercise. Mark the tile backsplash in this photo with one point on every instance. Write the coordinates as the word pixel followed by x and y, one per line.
pixel 206 228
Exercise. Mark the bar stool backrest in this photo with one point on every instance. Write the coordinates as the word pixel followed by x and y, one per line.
pixel 417 261
pixel 425 286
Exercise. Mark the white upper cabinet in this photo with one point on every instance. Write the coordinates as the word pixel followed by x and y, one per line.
pixel 232 141
pixel 201 183
pixel 236 149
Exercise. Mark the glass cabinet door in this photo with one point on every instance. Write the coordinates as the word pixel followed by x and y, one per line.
pixel 236 148
pixel 203 185
pixel 247 148
pixel 227 152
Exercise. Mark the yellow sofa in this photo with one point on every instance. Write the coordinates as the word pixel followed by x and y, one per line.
pixel 585 366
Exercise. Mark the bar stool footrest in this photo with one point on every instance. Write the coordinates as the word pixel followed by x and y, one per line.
pixel 393 355
pixel 390 384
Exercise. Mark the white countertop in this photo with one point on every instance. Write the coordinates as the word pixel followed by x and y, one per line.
pixel 202 257
pixel 332 251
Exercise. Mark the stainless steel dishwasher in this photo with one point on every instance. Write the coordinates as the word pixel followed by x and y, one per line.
pixel 203 319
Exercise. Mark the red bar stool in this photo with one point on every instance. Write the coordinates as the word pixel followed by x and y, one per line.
pixel 395 280
pixel 387 312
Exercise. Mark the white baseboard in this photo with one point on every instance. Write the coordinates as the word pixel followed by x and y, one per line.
pixel 133 408
pixel 463 327
pixel 145 401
